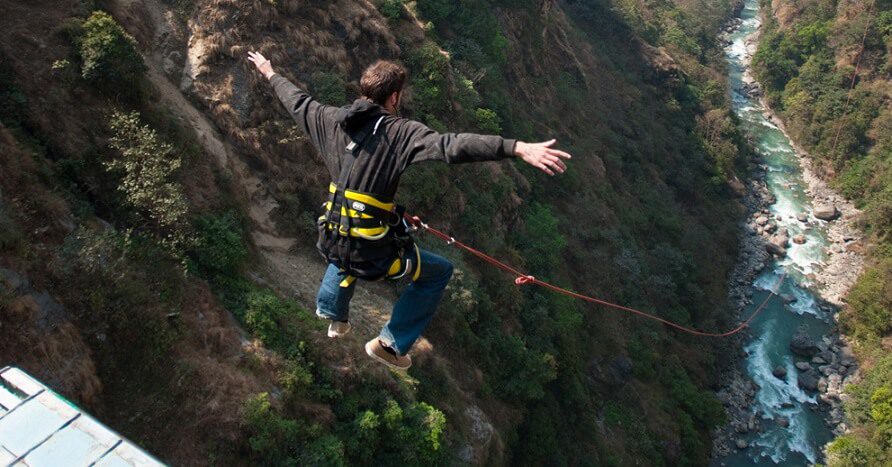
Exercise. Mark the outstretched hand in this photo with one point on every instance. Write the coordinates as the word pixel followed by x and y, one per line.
pixel 542 156
pixel 263 65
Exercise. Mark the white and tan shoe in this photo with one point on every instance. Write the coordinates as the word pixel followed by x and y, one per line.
pixel 338 329
pixel 377 351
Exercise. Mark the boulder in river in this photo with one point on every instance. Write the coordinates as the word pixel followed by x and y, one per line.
pixel 741 443
pixel 807 381
pixel 799 239
pixel 761 220
pixel 780 240
pixel 803 345
pixel 775 249
pixel 782 422
pixel 779 372
pixel 802 217
pixel 826 212
pixel 803 366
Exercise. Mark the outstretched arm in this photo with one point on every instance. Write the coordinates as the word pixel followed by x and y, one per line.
pixel 315 119
pixel 427 144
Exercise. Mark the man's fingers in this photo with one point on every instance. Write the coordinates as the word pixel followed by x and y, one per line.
pixel 548 143
pixel 256 58
pixel 554 164
pixel 545 169
pixel 559 153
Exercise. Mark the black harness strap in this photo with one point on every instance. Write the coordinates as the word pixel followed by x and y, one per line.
pixel 338 198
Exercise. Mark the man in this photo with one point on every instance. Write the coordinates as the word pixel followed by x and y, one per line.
pixel 366 147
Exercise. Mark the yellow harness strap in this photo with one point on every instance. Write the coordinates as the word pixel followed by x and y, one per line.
pixel 347 281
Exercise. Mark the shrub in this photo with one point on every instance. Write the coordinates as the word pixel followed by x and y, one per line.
pixel 276 440
pixel 147 166
pixel 413 435
pixel 851 451
pixel 521 373
pixel 392 9
pixel 436 10
pixel 487 121
pixel 108 53
pixel 329 88
pixel 125 289
pixel 219 248
pixel 869 314
pixel 263 316
pixel 703 406
pixel 881 412
pixel 541 240
pixel 716 131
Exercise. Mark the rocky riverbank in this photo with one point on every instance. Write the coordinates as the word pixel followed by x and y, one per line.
pixel 739 391
pixel 824 366
pixel 845 253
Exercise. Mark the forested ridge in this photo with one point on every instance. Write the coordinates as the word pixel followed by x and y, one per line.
pixel 826 67
pixel 159 203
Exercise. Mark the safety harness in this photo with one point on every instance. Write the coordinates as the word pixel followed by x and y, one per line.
pixel 365 234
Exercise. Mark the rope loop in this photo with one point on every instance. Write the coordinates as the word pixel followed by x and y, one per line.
pixel 523 280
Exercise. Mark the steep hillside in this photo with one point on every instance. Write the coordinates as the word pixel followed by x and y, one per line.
pixel 826 66
pixel 156 195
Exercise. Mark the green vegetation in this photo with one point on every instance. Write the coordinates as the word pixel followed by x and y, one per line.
pixel 280 441
pixel 123 286
pixel 329 88
pixel 541 241
pixel 219 248
pixel 870 409
pixel 392 9
pixel 807 69
pixel 147 166
pixel 108 55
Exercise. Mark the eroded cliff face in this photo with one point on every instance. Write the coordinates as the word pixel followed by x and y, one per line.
pixel 642 217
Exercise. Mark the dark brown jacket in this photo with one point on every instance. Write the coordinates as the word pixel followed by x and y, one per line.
pixel 397 143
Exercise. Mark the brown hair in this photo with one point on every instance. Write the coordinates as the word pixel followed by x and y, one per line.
pixel 381 79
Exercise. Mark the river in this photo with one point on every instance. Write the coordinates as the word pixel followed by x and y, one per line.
pixel 779 399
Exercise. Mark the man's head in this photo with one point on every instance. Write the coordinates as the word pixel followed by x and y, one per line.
pixel 382 83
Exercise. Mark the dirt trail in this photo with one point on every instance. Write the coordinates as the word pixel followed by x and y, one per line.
pixel 290 270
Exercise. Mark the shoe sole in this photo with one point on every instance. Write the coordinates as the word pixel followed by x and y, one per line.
pixel 371 353
pixel 336 335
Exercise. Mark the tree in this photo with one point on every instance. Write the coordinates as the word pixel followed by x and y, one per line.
pixel 147 165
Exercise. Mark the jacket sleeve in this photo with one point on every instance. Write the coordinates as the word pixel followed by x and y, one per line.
pixel 315 119
pixel 425 144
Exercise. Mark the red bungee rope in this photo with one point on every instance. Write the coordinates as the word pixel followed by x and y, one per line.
pixel 522 279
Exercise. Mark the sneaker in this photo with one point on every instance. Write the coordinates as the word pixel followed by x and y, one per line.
pixel 387 356
pixel 338 328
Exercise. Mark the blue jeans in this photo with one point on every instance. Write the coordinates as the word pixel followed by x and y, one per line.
pixel 412 311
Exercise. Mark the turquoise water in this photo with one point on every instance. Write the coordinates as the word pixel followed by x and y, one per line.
pixel 802 441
